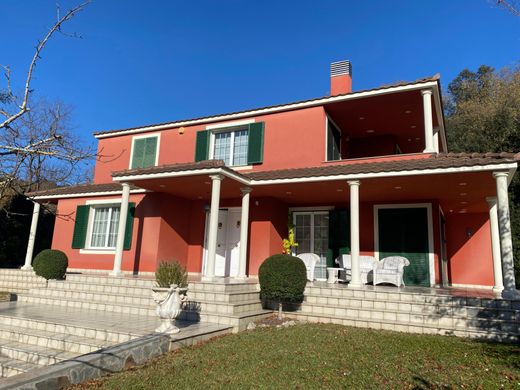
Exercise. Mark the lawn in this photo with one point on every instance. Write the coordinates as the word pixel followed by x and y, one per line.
pixel 310 356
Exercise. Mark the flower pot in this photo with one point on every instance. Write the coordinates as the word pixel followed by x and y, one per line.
pixel 169 302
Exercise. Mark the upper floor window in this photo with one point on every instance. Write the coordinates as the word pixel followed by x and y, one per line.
pixel 144 151
pixel 231 146
pixel 333 141
pixel 236 146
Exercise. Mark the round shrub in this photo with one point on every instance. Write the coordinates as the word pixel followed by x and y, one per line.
pixel 169 273
pixel 51 264
pixel 282 278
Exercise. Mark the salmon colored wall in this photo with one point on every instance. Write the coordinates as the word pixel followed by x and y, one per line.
pixel 267 229
pixel 469 249
pixel 304 130
pixel 196 236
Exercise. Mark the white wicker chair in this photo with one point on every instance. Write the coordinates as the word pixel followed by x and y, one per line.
pixel 310 260
pixel 391 270
pixel 366 266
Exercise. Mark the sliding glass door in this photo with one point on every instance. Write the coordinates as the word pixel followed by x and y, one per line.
pixel 312 236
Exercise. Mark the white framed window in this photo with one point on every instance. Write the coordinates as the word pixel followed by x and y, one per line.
pixel 145 151
pixel 230 145
pixel 102 226
pixel 311 230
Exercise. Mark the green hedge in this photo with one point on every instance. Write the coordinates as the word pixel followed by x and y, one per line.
pixel 282 278
pixel 51 264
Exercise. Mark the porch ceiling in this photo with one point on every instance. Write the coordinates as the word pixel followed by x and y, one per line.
pixel 456 192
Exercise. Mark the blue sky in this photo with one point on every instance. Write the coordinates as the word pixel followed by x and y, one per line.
pixel 147 62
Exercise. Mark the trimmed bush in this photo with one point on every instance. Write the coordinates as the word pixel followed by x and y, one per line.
pixel 169 273
pixel 51 264
pixel 282 278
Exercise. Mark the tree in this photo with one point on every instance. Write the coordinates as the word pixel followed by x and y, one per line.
pixel 483 115
pixel 30 138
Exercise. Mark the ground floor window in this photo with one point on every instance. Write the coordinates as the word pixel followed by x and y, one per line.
pixel 312 236
pixel 103 227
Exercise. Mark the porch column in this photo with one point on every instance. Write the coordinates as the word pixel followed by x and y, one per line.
pixel 244 228
pixel 428 122
pixel 436 139
pixel 32 237
pixel 495 245
pixel 506 244
pixel 123 215
pixel 354 233
pixel 213 225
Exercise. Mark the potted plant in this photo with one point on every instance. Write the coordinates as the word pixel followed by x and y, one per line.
pixel 282 283
pixel 169 294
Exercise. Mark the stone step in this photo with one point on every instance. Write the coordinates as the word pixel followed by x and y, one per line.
pixel 53 330
pixel 34 354
pixel 223 287
pixel 235 297
pixel 239 322
pixel 95 297
pixel 213 307
pixel 82 304
pixel 110 280
pixel 10 367
pixel 386 294
pixel 407 327
pixel 53 340
pixel 144 291
pixel 446 308
pixel 433 318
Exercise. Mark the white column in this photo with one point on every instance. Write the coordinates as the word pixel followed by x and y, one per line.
pixel 506 244
pixel 32 237
pixel 354 233
pixel 244 228
pixel 436 139
pixel 495 245
pixel 213 226
pixel 428 121
pixel 123 215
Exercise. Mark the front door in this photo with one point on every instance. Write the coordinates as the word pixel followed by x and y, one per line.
pixel 228 242
pixel 404 232
pixel 312 236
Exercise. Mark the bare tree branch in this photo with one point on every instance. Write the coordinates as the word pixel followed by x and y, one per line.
pixel 23 107
pixel 515 10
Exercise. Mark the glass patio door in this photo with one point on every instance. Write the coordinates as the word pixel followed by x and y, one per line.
pixel 312 235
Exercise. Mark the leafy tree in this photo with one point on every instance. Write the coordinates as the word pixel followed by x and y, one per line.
pixel 483 115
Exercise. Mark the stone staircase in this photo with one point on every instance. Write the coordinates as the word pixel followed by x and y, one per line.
pixel 427 312
pixel 27 341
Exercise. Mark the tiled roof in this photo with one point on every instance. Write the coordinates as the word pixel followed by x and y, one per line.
pixel 81 189
pixel 206 164
pixel 434 161
pixel 173 123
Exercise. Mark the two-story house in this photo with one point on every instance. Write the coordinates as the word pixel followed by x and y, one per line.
pixel 360 172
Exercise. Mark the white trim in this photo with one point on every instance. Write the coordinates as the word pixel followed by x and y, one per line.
pixel 107 201
pixel 416 172
pixel 262 111
pixel 95 251
pixel 232 130
pixel 431 250
pixel 440 118
pixel 319 208
pixel 141 136
pixel 87 194
pixel 230 124
pixel 193 172
pixel 241 167
pixel 476 286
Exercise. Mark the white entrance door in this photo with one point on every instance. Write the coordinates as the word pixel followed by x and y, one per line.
pixel 228 242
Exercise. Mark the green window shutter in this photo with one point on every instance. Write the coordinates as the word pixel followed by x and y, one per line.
pixel 80 227
pixel 129 226
pixel 255 147
pixel 339 235
pixel 138 152
pixel 202 145
pixel 150 152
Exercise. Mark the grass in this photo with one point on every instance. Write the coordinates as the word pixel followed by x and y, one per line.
pixel 310 356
